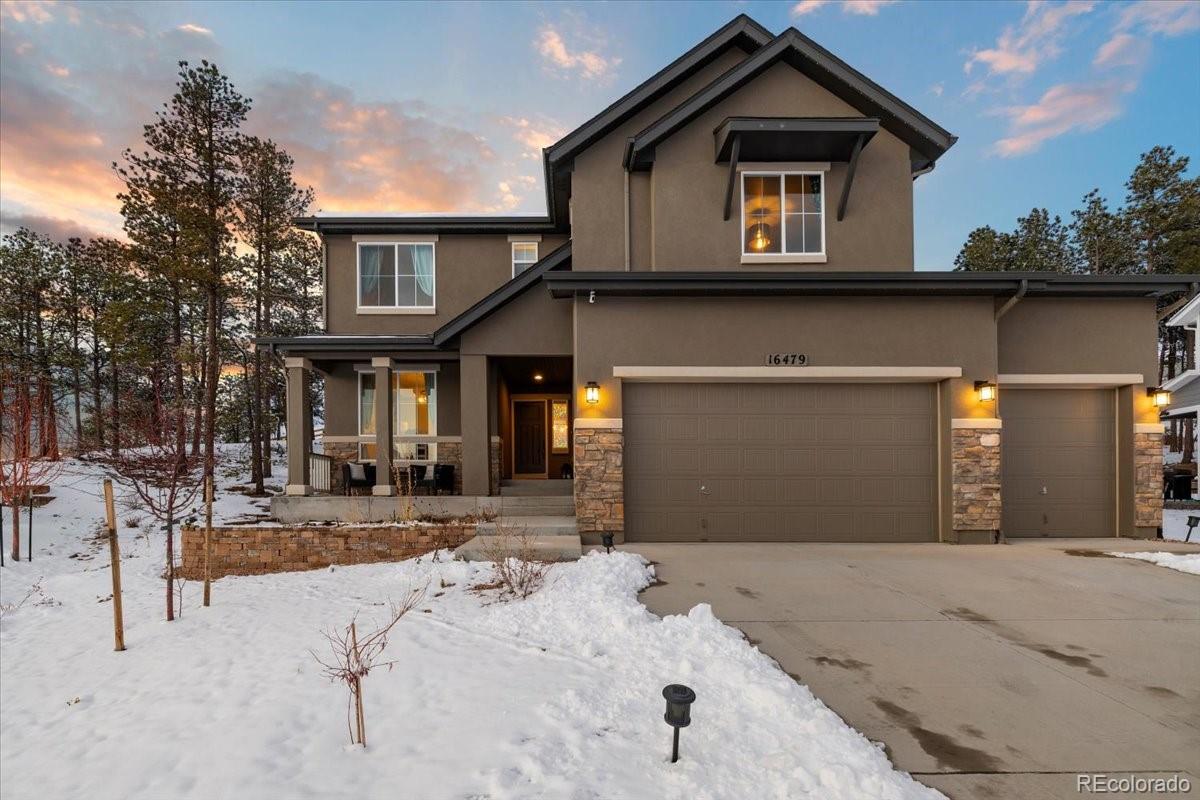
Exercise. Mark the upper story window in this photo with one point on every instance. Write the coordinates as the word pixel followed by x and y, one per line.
pixel 524 256
pixel 783 214
pixel 396 277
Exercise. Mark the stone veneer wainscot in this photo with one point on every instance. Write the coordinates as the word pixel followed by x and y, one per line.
pixel 599 476
pixel 1148 470
pixel 975 458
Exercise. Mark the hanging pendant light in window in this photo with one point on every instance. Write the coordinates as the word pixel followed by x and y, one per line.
pixel 760 232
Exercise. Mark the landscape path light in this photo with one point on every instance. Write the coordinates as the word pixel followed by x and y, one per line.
pixel 607 539
pixel 679 712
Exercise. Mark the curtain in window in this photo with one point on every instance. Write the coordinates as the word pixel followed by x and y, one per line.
pixel 422 261
pixel 372 263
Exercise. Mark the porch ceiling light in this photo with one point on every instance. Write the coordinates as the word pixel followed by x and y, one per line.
pixel 985 391
pixel 591 393
pixel 538 377
pixel 1159 396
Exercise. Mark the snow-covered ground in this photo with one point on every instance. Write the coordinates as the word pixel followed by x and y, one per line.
pixel 1184 562
pixel 555 696
pixel 1175 524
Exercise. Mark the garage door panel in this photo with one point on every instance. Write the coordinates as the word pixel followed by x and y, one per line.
pixel 1058 464
pixel 784 462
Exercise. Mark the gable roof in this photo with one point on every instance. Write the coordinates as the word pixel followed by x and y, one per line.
pixel 927 139
pixel 556 259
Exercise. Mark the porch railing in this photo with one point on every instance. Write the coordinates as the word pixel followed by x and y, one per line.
pixel 320 472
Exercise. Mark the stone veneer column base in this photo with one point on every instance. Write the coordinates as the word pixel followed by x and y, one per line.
pixel 1147 478
pixel 340 452
pixel 494 450
pixel 975 459
pixel 451 453
pixel 600 478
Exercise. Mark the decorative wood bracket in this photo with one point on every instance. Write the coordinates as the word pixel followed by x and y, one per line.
pixel 733 165
pixel 858 146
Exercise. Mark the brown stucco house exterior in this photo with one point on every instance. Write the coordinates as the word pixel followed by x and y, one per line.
pixel 717 332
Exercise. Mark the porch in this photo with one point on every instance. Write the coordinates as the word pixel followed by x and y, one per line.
pixel 475 428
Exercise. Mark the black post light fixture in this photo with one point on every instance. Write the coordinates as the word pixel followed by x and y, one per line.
pixel 607 539
pixel 679 712
pixel 1192 523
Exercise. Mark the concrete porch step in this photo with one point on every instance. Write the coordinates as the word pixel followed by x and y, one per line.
pixel 562 506
pixel 548 548
pixel 540 525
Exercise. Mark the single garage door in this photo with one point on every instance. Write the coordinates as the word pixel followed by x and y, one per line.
pixel 780 462
pixel 1058 462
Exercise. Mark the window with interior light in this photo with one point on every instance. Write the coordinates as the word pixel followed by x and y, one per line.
pixel 524 256
pixel 414 412
pixel 783 213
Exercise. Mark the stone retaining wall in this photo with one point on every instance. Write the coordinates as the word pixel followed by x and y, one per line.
pixel 599 480
pixel 258 551
pixel 975 457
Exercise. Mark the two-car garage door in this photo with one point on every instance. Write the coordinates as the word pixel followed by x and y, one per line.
pixel 780 462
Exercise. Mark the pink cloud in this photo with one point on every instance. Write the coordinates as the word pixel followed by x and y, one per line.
pixel 198 30
pixel 1166 18
pixel 1063 109
pixel 36 11
pixel 589 64
pixel 869 8
pixel 1122 50
pixel 1022 48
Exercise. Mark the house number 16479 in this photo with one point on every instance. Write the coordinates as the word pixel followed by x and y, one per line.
pixel 786 359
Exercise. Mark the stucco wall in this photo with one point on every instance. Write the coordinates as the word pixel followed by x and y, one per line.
pixel 468 267
pixel 688 194
pixel 598 179
pixel 831 331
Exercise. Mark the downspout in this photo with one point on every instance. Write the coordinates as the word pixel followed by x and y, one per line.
pixel 1012 301
pixel 324 280
pixel 628 223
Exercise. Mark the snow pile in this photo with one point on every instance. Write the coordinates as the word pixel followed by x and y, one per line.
pixel 1184 562
pixel 555 696
pixel 1175 524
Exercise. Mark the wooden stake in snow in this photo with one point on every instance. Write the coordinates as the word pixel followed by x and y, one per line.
pixel 114 550
pixel 208 501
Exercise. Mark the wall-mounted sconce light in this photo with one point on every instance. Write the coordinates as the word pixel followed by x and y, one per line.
pixel 591 393
pixel 985 391
pixel 1158 396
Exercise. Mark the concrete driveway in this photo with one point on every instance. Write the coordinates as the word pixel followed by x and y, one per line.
pixel 988 671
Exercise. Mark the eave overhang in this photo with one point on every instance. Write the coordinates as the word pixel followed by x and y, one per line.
pixel 400 224
pixel 749 284
pixel 330 343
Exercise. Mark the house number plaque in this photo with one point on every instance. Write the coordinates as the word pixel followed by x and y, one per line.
pixel 787 360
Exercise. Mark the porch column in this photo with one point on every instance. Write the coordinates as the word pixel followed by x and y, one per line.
pixel 476 441
pixel 384 486
pixel 299 426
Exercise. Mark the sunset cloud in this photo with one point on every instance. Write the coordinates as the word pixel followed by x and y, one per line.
pixel 1036 39
pixel 1122 50
pixel 198 30
pixel 1060 110
pixel 862 8
pixel 588 64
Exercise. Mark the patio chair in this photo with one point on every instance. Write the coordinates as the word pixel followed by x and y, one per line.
pixel 416 477
pixel 443 478
pixel 357 476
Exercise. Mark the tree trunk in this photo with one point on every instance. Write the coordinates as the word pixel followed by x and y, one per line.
pixel 171 561
pixel 116 406
pixel 97 394
pixel 211 378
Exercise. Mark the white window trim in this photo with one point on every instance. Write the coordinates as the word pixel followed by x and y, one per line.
pixel 396 243
pixel 537 253
pixel 782 257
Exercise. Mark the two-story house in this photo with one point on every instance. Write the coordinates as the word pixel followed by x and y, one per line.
pixel 716 330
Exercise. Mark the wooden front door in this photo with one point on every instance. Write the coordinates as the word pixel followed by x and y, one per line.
pixel 529 438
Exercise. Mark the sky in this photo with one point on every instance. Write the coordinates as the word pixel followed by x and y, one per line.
pixel 406 107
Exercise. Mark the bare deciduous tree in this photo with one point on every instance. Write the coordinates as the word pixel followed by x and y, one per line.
pixel 352 658
pixel 21 468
